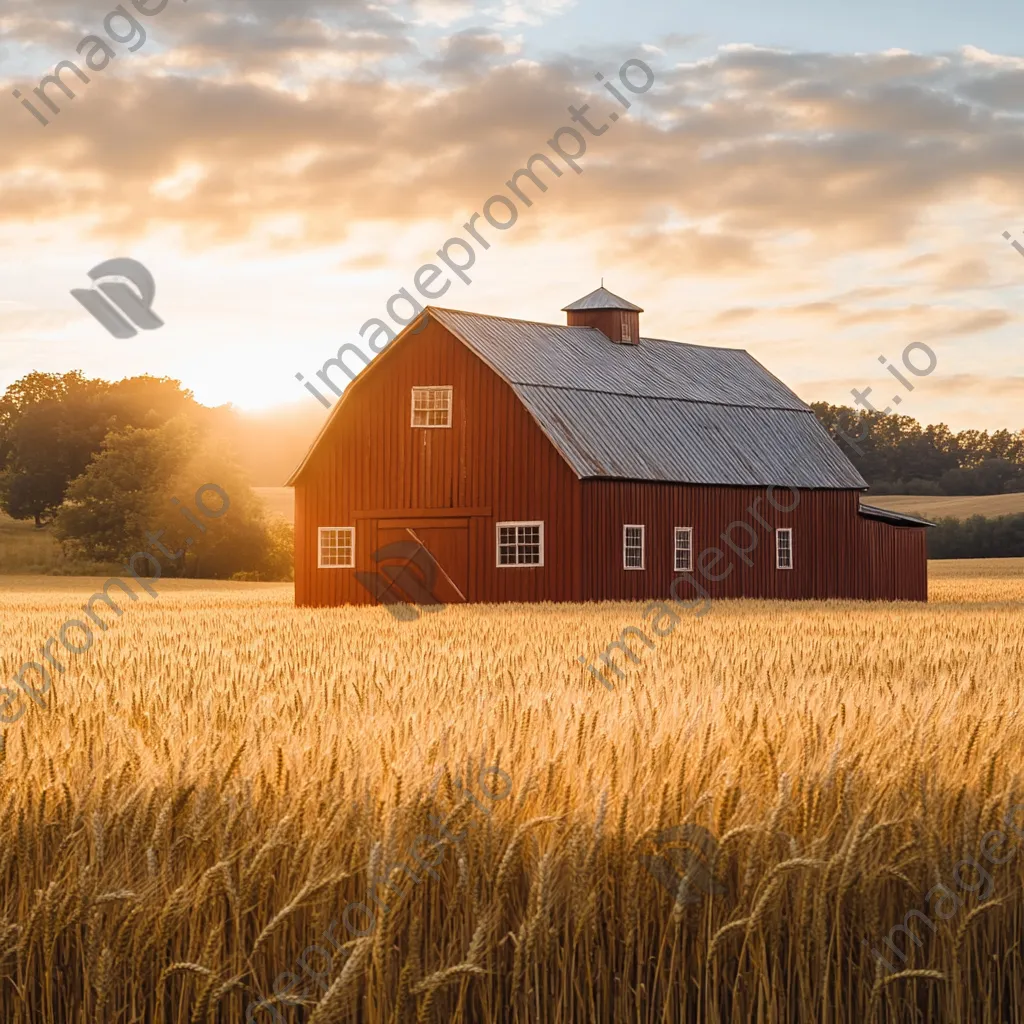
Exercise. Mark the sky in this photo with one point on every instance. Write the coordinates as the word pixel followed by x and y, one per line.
pixel 820 184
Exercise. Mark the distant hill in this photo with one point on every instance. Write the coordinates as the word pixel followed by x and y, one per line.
pixel 280 501
pixel 989 505
pixel 270 444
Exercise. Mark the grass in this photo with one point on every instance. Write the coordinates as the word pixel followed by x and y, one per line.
pixel 990 505
pixel 222 774
pixel 24 549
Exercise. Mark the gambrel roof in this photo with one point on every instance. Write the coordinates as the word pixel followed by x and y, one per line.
pixel 659 411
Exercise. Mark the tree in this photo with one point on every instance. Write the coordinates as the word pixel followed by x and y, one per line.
pixel 895 454
pixel 977 537
pixel 48 432
pixel 51 425
pixel 111 507
pixel 172 492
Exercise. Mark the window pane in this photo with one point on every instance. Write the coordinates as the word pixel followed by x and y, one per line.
pixel 784 549
pixel 337 545
pixel 684 550
pixel 634 547
pixel 529 545
pixel 431 407
pixel 520 544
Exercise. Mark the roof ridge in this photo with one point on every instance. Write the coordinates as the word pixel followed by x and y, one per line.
pixel 668 398
pixel 511 319
pixel 567 327
pixel 696 344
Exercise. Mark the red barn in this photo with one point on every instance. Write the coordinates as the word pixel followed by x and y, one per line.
pixel 527 461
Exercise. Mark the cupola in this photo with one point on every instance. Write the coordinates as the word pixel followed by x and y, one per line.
pixel 613 316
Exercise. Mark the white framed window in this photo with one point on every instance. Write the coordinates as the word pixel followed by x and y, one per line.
pixel 683 548
pixel 633 547
pixel 520 543
pixel 432 407
pixel 627 331
pixel 336 547
pixel 784 548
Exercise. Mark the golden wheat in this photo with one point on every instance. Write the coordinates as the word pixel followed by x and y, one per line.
pixel 222 775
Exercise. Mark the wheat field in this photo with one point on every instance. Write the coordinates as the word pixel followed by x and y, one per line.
pixel 213 786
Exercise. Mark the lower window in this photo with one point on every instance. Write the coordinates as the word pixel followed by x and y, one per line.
pixel 520 543
pixel 632 547
pixel 684 549
pixel 336 547
pixel 784 548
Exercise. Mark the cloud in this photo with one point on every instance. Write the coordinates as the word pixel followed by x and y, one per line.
pixel 725 156
pixel 969 273
pixel 794 196
pixel 957 384
pixel 735 314
pixel 18 319
pixel 959 323
pixel 528 12
pixel 687 251
pixel 468 53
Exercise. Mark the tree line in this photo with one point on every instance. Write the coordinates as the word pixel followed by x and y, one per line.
pixel 101 462
pixel 977 537
pixel 896 455
pixel 104 463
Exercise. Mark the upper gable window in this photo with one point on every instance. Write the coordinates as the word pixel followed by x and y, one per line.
pixel 432 407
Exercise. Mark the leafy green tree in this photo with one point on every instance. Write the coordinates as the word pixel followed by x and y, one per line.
pixel 895 454
pixel 51 425
pixel 112 506
pixel 977 537
pixel 48 433
pixel 172 492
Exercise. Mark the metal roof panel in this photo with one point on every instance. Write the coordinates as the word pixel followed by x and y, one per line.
pixel 887 515
pixel 638 438
pixel 583 359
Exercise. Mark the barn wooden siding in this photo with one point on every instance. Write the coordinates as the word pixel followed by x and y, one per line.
pixel 374 471
pixel 836 553
pixel 897 561
pixel 493 465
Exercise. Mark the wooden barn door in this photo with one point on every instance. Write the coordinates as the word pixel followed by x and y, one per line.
pixel 446 543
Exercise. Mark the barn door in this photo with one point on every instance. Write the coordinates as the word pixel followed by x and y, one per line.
pixel 445 559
